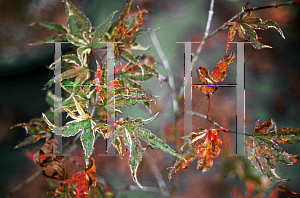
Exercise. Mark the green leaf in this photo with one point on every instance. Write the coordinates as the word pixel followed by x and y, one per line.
pixel 128 55
pixel 81 74
pixel 51 26
pixel 139 72
pixel 283 136
pixel 135 156
pixel 29 140
pixel 126 96
pixel 88 139
pixel 79 24
pixel 135 35
pixel 82 123
pixel 55 38
pixel 130 132
pixel 153 141
pixel 82 53
pixel 246 27
pixel 69 58
pixel 124 12
pixel 101 30
pixel 247 33
pixel 127 82
pixel 263 151
pixel 257 23
pixel 36 128
pixel 76 41
pixel 72 128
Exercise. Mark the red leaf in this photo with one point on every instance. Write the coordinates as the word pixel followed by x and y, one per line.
pixel 217 75
pixel 206 144
pixel 286 190
pixel 83 179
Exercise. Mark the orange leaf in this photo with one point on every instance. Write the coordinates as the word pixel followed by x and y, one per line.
pixel 206 144
pixel 217 75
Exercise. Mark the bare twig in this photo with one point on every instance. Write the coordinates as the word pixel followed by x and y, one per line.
pixel 273 5
pixel 216 124
pixel 224 27
pixel 248 1
pixel 210 14
pixel 157 174
pixel 145 188
pixel 21 185
pixel 165 63
pixel 94 107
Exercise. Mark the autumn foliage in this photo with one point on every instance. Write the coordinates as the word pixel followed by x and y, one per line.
pixel 90 96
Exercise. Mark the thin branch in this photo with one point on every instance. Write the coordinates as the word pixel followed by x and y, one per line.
pixel 224 27
pixel 210 14
pixel 21 185
pixel 248 1
pixel 216 124
pixel 273 5
pixel 157 174
pixel 145 188
pixel 73 144
pixel 165 62
pixel 94 107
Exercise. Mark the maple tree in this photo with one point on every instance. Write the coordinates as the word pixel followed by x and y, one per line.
pixel 87 93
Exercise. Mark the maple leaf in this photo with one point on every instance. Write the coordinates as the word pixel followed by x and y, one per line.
pixel 206 144
pixel 246 27
pixel 125 31
pixel 217 75
pixel 83 180
pixel 263 150
pixel 76 68
pixel 59 29
pixel 37 129
pixel 79 26
pixel 81 123
pixel 130 132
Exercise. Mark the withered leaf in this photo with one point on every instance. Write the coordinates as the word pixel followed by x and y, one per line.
pixel 206 144
pixel 263 150
pixel 246 27
pixel 217 75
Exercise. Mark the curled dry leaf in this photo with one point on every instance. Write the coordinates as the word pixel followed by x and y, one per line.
pixel 246 27
pixel 206 144
pixel 217 75
pixel 51 164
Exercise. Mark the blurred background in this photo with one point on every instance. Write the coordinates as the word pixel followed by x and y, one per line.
pixel 272 78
